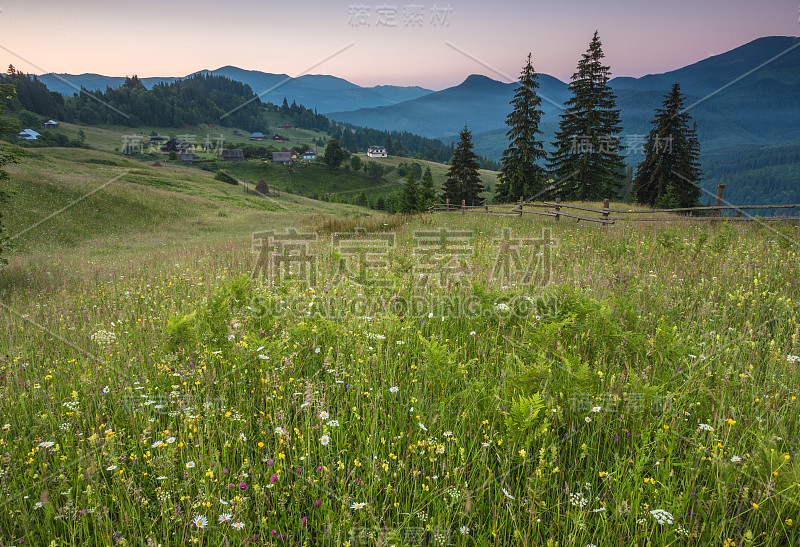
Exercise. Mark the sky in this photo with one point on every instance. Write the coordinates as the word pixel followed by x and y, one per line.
pixel 415 42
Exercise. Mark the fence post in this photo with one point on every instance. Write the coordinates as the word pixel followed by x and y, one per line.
pixel 739 210
pixel 558 208
pixel 718 199
pixel 486 204
pixel 447 205
pixel 463 206
pixel 521 203
pixel 606 206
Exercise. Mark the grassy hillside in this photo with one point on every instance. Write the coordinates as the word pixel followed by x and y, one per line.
pixel 438 170
pixel 110 138
pixel 305 179
pixel 130 196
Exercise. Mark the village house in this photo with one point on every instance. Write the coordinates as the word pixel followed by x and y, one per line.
pixel 282 157
pixel 235 154
pixel 174 145
pixel 186 156
pixel 277 138
pixel 310 155
pixel 376 152
pixel 28 135
pixel 50 124
pixel 257 136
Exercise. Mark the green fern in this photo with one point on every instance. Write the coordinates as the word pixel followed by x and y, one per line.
pixel 181 330
pixel 526 416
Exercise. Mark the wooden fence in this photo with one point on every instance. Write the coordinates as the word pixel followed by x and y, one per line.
pixel 555 209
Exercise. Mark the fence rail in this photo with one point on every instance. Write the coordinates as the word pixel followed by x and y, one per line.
pixel 554 209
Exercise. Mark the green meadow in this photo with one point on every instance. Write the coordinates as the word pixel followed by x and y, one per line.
pixel 184 363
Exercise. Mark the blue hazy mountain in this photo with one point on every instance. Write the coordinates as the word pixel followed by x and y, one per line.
pixel 732 103
pixel 479 102
pixel 325 93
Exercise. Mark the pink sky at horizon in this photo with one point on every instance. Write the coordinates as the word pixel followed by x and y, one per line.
pixel 432 44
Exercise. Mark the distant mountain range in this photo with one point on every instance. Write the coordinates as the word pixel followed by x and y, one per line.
pixel 325 93
pixel 746 103
pixel 745 99
pixel 761 107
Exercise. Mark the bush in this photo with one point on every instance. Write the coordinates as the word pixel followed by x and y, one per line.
pixel 225 177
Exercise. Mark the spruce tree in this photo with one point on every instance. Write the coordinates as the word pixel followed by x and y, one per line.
pixel 669 175
pixel 409 195
pixel 427 193
pixel 520 175
pixel 463 182
pixel 586 164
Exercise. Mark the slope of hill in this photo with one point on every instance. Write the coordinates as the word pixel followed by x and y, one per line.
pixel 130 196
pixel 325 93
pixel 780 56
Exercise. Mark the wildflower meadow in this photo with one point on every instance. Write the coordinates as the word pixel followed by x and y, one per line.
pixel 435 380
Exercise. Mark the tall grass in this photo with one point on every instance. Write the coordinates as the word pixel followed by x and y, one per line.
pixel 644 393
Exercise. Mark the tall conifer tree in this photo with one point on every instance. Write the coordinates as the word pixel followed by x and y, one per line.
pixel 586 162
pixel 670 173
pixel 463 182
pixel 409 201
pixel 427 193
pixel 520 174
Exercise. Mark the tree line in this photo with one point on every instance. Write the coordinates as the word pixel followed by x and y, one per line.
pixel 587 163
